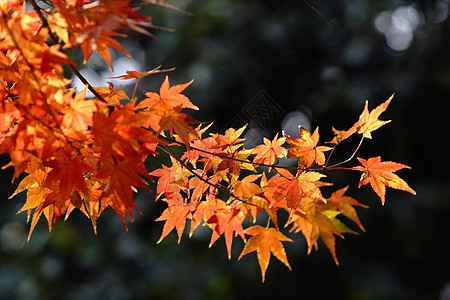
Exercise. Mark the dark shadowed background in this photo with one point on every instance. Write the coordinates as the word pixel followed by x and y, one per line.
pixel 274 65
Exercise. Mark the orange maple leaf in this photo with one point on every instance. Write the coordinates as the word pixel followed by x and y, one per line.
pixel 306 149
pixel 93 25
pixel 380 174
pixel 199 187
pixel 368 122
pixel 168 176
pixel 36 194
pixel 204 210
pixel 270 151
pixel 314 221
pixel 265 241
pixel 345 204
pixel 68 173
pixel 111 96
pixel 175 217
pixel 122 181
pixel 96 37
pixel 231 140
pixel 226 222
pixel 170 97
pixel 246 188
pixel 138 75
pixel 33 183
pixel 292 189
pixel 79 116
pixel 177 122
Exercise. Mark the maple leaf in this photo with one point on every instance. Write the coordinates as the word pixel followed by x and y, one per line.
pixel 200 187
pixel 34 184
pixel 50 57
pixel 328 232
pixel 314 221
pixel 170 97
pixel 380 174
pixel 68 173
pixel 345 204
pixel 292 189
pixel 231 140
pixel 111 96
pixel 226 222
pixel 93 25
pixel 306 149
pixel 118 134
pixel 35 196
pixel 177 122
pixel 175 217
pixel 122 181
pixel 96 37
pixel 204 210
pixel 58 24
pixel 270 151
pixel 265 241
pixel 79 116
pixel 173 175
pixel 138 75
pixel 368 121
pixel 246 188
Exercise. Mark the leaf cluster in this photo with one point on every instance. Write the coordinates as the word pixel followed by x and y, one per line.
pixel 86 154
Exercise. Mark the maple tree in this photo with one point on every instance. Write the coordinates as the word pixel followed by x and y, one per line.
pixel 74 153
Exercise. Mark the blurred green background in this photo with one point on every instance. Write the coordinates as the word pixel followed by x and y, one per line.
pixel 314 75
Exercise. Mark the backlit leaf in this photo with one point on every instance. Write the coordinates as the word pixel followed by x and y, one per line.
pixel 266 241
pixel 381 174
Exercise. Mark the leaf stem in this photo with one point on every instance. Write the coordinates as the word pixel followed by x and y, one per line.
pixel 329 156
pixel 350 158
pixel 135 88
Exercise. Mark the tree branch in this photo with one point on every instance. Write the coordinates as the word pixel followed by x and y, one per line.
pixel 322 14
pixel 55 41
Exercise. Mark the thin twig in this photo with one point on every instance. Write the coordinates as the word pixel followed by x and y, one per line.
pixel 55 41
pixel 348 159
pixel 135 89
pixel 322 14
pixel 329 156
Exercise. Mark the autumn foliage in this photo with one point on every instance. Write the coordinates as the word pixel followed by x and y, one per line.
pixel 73 153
